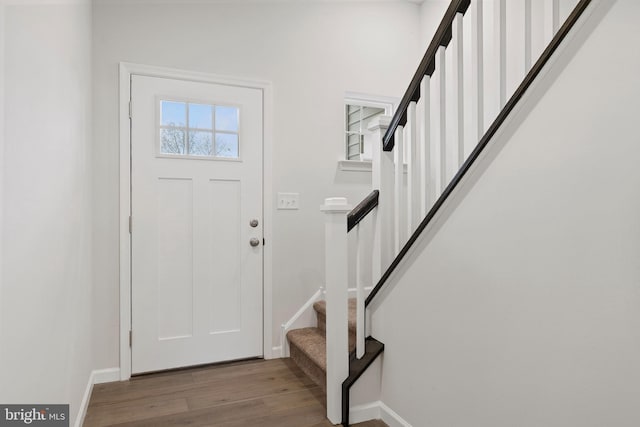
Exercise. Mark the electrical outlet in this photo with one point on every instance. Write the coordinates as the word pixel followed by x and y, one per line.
pixel 288 200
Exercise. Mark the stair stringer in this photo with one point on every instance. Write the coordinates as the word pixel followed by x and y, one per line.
pixel 365 393
pixel 305 317
pixel 510 302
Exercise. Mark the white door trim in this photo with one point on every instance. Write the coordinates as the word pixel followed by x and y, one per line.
pixel 126 70
pixel 2 133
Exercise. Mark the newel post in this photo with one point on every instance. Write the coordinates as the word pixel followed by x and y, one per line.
pixel 382 180
pixel 336 262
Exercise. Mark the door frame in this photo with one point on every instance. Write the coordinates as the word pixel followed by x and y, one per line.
pixel 126 71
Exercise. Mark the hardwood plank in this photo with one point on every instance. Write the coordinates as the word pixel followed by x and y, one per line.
pixel 249 393
pixel 182 384
pixel 213 416
pixel 117 413
pixel 242 390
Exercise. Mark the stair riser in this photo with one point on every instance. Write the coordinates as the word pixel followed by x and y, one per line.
pixel 322 325
pixel 311 369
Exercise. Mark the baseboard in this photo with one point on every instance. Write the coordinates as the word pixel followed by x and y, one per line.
pixel 276 352
pixel 84 404
pixel 366 412
pixel 303 318
pixel 97 376
pixel 390 417
pixel 108 375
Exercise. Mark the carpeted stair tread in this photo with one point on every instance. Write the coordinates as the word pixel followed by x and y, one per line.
pixel 308 347
pixel 312 342
pixel 321 309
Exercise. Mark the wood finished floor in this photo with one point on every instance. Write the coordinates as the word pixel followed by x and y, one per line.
pixel 249 393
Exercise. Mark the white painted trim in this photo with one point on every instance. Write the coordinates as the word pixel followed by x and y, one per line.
pixel 369 100
pixel 316 297
pixel 354 165
pixel 267 217
pixel 98 376
pixel 2 137
pixel 125 209
pixel 295 320
pixel 376 411
pixel 44 2
pixel 352 292
pixel 84 404
pixel 360 166
pixel 365 412
pixel 109 375
pixel 335 211
pixel 390 417
pixel 126 70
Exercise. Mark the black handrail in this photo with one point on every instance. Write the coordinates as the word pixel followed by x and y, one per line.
pixel 513 101
pixel 358 213
pixel 442 37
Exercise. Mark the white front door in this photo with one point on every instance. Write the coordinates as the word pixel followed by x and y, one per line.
pixel 196 207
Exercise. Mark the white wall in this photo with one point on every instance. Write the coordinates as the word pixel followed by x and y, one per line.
pixel 431 13
pixel 312 52
pixel 45 312
pixel 521 306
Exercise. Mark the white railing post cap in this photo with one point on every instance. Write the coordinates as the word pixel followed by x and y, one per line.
pixel 379 123
pixel 335 204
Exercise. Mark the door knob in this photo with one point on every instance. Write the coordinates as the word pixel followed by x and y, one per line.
pixel 254 223
pixel 254 241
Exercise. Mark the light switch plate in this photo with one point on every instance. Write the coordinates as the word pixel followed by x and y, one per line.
pixel 288 200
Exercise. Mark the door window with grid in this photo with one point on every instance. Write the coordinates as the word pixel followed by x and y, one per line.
pixel 201 130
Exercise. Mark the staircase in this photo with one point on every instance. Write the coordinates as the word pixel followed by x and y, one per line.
pixel 464 90
pixel 308 346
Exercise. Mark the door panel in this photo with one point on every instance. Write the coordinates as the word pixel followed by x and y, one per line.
pixel 196 184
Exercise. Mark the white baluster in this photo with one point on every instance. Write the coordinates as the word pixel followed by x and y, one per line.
pixel 413 176
pixel 455 132
pixel 551 19
pixel 420 185
pixel 439 122
pixel 515 45
pixel 382 180
pixel 500 35
pixel 476 95
pixel 399 205
pixel 360 263
pixel 427 187
pixel 336 277
pixel 528 33
pixel 538 30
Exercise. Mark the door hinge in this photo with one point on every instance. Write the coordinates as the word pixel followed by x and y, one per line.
pixel 130 109
pixel 130 224
pixel 130 338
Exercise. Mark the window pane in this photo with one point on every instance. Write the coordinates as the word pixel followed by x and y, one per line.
pixel 200 116
pixel 227 118
pixel 354 153
pixel 172 141
pixel 226 145
pixel 369 114
pixel 173 113
pixel 200 143
pixel 354 114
